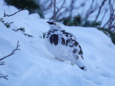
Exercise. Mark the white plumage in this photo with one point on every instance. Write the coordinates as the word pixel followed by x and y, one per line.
pixel 63 45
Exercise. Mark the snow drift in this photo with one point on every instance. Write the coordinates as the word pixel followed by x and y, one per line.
pixel 33 65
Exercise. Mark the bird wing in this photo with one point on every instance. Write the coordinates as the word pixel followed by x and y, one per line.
pixel 69 40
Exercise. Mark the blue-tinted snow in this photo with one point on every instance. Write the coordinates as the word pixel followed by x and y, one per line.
pixel 33 65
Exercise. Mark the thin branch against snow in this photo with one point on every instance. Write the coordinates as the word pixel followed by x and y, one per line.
pixel 61 7
pixel 17 48
pixel 72 7
pixel 106 10
pixel 56 12
pixel 49 6
pixel 8 15
pixel 110 24
pixel 91 10
pixel 100 10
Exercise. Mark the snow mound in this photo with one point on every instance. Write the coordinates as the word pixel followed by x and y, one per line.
pixel 33 65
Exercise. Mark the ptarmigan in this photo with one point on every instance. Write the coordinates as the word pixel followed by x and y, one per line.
pixel 63 45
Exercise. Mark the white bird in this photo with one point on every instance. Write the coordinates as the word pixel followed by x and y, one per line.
pixel 63 45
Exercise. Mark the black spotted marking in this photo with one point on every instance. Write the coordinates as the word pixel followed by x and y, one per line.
pixel 74 51
pixel 71 35
pixel 54 39
pixel 50 32
pixel 76 57
pixel 63 41
pixel 71 42
pixel 80 52
pixel 65 33
pixel 71 45
pixel 62 30
pixel 67 41
pixel 75 43
pixel 54 31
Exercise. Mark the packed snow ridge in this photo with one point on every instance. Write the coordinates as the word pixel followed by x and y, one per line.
pixel 33 65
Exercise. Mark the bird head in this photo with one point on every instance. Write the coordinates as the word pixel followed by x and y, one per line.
pixel 53 25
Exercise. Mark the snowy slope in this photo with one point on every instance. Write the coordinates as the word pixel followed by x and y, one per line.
pixel 33 65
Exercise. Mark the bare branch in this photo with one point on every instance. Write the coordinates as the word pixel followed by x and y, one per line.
pixel 91 10
pixel 112 18
pixel 58 10
pixel 17 48
pixel 72 7
pixel 8 15
pixel 110 24
pixel 100 10
pixel 49 6
pixel 69 10
pixel 104 14
pixel 60 7
pixel 54 17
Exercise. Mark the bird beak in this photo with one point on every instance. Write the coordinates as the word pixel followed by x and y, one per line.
pixel 51 23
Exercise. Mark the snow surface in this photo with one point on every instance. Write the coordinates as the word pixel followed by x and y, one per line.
pixel 33 65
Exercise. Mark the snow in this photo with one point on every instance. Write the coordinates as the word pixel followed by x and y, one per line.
pixel 33 65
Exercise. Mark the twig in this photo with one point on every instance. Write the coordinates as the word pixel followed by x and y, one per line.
pixel 17 48
pixel 100 9
pixel 112 15
pixel 65 18
pixel 72 7
pixel 56 12
pixel 49 6
pixel 104 14
pixel 60 7
pixel 110 23
pixel 8 15
pixel 91 10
